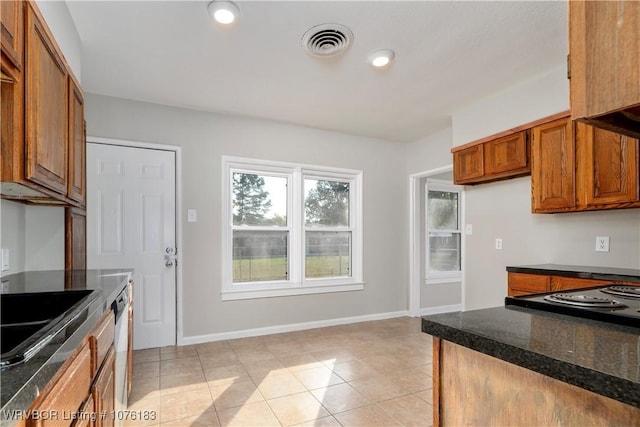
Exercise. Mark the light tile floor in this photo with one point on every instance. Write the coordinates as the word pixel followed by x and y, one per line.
pixel 365 374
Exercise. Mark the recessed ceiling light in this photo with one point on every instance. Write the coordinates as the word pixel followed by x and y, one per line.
pixel 381 58
pixel 223 11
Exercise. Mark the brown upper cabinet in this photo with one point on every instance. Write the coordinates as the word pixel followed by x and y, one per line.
pixel 553 166
pixel 46 108
pixel 607 168
pixel 11 21
pixel 77 144
pixel 605 64
pixel 468 165
pixel 43 134
pixel 492 160
pixel 577 167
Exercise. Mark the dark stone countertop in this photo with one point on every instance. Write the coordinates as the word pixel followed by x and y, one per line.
pixel 596 356
pixel 579 271
pixel 22 383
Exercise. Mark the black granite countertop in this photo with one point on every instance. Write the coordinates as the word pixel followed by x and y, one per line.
pixel 580 271
pixel 596 356
pixel 21 384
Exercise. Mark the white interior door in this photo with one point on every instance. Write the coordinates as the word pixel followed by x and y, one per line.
pixel 131 222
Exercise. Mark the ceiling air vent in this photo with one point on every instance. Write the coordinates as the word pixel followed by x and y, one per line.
pixel 327 39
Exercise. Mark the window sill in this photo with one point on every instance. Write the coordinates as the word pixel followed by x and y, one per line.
pixel 281 292
pixel 443 280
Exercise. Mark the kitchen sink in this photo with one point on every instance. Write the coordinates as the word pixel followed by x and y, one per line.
pixel 29 321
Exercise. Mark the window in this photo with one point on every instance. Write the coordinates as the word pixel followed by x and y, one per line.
pixel 289 229
pixel 443 234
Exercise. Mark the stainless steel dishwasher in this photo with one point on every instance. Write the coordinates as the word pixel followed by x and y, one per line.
pixel 119 307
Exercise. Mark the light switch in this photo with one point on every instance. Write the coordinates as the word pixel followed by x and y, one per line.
pixel 5 259
pixel 192 215
pixel 468 229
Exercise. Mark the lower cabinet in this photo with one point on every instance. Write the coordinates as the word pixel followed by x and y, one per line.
pixel 130 339
pixel 473 388
pixel 104 392
pixel 82 391
pixel 67 393
pixel 524 284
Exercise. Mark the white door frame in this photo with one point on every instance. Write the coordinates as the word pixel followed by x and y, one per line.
pixel 177 150
pixel 415 236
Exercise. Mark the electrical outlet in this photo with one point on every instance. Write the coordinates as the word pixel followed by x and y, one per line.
pixel 499 244
pixel 602 244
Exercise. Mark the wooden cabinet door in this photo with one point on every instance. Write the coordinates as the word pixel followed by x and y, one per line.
pixel 605 56
pixel 67 393
pixel 468 164
pixel 553 167
pixel 507 154
pixel 104 391
pixel 88 414
pixel 609 166
pixel 77 144
pixel 75 239
pixel 11 24
pixel 45 108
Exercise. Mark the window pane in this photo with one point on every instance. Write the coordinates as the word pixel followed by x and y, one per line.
pixel 326 203
pixel 442 210
pixel 259 200
pixel 444 251
pixel 260 255
pixel 327 254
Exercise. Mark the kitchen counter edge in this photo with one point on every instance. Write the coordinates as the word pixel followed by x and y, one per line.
pixel 465 329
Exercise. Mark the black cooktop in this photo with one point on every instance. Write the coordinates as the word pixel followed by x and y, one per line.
pixel 608 303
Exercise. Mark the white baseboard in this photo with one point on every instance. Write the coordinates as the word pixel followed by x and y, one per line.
pixel 440 309
pixel 199 339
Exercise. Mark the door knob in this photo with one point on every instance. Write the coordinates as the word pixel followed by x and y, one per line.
pixel 170 257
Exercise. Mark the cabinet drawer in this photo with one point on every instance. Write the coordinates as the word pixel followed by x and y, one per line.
pixel 69 391
pixel 522 284
pixel 559 283
pixel 101 338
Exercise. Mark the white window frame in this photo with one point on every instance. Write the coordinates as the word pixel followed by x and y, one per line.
pixel 296 284
pixel 442 276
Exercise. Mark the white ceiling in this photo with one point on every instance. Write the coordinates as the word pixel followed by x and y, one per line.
pixel 447 54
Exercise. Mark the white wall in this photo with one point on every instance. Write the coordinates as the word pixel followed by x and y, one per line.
pixel 503 209
pixel 12 235
pixel 59 20
pixel 429 153
pixel 204 138
pixel 34 235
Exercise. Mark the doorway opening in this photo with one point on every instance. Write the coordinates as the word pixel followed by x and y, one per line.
pixel 437 243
